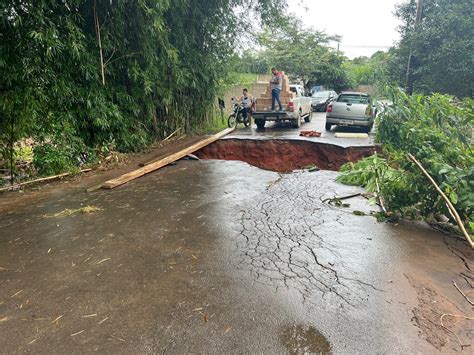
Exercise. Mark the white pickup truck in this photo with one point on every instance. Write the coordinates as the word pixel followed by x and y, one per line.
pixel 298 108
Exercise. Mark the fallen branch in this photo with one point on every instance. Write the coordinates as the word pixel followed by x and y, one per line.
pixel 379 196
pixel 462 293
pixel 341 198
pixel 172 134
pixel 17 186
pixel 446 199
pixel 449 330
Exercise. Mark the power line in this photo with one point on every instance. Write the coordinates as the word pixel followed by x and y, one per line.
pixel 362 46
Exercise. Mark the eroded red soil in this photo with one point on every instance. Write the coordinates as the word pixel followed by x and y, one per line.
pixel 284 155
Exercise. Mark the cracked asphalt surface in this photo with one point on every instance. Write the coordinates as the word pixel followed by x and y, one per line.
pixel 220 256
pixel 283 244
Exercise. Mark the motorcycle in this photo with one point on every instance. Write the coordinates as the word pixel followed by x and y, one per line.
pixel 237 115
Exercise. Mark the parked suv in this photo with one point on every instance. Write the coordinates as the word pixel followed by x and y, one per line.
pixel 321 99
pixel 351 109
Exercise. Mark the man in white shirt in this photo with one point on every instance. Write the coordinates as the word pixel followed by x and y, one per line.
pixel 247 102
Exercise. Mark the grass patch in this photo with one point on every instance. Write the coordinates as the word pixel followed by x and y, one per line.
pixel 69 212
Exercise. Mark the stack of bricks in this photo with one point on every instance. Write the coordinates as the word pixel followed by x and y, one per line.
pixel 264 101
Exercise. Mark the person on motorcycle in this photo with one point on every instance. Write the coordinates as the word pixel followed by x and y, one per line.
pixel 247 101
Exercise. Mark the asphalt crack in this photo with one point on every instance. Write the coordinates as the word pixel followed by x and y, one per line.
pixel 279 244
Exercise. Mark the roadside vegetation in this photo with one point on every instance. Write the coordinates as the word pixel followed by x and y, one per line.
pixel 83 76
pixel 435 124
pixel 438 131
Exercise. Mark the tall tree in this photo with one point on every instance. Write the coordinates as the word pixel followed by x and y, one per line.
pixel 442 47
pixel 369 71
pixel 305 55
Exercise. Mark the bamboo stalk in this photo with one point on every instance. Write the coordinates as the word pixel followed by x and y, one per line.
pixel 379 196
pixel 41 180
pixel 97 26
pixel 446 199
pixel 171 135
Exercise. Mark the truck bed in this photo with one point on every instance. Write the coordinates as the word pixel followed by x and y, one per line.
pixel 272 116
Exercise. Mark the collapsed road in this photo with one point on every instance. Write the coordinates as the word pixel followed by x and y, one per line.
pixel 222 256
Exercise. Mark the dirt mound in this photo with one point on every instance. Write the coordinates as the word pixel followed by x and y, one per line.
pixel 284 155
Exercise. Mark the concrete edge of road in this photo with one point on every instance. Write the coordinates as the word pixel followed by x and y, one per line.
pixel 306 139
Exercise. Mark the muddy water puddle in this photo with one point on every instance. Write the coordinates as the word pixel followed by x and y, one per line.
pixel 300 339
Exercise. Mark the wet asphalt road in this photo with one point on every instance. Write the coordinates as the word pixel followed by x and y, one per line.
pixel 219 257
pixel 283 130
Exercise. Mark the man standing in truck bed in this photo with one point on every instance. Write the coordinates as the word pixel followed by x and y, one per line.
pixel 276 86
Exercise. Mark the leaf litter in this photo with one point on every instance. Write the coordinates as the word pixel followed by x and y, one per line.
pixel 69 212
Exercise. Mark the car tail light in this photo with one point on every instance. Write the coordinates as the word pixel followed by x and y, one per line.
pixel 329 108
pixel 368 111
pixel 291 106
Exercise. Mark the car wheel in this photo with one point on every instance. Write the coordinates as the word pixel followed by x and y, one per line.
pixel 260 123
pixel 328 126
pixel 309 117
pixel 297 123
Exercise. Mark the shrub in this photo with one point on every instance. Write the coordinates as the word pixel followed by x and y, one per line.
pixel 438 131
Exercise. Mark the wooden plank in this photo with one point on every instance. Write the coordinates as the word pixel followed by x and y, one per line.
pixel 41 180
pixel 176 144
pixel 351 135
pixel 111 184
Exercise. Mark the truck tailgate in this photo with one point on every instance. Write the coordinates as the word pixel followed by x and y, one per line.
pixel 350 111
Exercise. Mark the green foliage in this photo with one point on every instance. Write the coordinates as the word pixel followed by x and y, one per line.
pixel 303 54
pixel 64 152
pixel 51 160
pixel 377 176
pixel 250 62
pixel 443 47
pixel 241 78
pixel 369 71
pixel 162 62
pixel 439 133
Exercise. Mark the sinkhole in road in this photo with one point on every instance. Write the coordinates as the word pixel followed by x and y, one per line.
pixel 284 155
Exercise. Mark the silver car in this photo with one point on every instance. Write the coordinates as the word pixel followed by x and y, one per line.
pixel 351 109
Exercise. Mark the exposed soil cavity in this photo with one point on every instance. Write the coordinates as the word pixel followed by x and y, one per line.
pixel 284 155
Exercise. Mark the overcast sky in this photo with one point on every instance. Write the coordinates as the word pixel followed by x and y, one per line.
pixel 366 26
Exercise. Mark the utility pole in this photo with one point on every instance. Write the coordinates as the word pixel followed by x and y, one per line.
pixel 409 76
